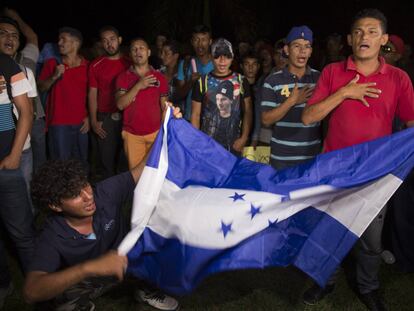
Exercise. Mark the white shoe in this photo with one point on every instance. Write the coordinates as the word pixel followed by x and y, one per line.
pixel 156 299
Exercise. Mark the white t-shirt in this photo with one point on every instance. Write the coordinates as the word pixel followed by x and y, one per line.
pixel 31 94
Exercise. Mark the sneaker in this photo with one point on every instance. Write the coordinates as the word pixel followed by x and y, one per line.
pixel 316 293
pixel 156 299
pixel 373 301
pixel 5 292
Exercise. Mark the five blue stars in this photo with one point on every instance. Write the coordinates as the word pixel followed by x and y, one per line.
pixel 237 196
pixel 225 228
pixel 254 210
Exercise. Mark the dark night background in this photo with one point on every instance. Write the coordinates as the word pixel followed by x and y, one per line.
pixel 234 20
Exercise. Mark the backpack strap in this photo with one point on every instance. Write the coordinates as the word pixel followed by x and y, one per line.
pixel 203 83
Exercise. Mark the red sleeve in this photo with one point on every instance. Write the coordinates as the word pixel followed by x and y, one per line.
pixel 322 89
pixel 163 85
pixel 121 83
pixel 405 105
pixel 48 69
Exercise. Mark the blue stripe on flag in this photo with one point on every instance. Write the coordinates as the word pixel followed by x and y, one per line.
pixel 192 264
pixel 173 252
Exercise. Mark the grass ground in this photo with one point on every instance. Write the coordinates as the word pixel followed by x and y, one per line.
pixel 256 290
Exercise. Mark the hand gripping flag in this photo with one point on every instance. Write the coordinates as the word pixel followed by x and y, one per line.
pixel 199 210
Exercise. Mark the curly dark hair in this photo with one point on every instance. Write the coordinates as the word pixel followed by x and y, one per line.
pixel 57 180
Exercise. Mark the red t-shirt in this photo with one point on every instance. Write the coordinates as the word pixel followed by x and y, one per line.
pixel 66 103
pixel 103 72
pixel 351 122
pixel 143 115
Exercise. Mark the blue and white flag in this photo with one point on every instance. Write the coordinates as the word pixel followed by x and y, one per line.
pixel 199 210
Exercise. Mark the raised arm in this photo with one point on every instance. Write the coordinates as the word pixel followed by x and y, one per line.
pixel 27 31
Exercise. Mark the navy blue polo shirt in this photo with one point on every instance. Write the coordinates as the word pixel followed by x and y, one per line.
pixel 292 141
pixel 60 246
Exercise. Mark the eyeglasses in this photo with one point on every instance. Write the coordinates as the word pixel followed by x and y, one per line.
pixel 387 49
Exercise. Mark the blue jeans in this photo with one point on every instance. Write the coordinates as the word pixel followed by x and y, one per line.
pixel 67 142
pixel 38 141
pixel 17 218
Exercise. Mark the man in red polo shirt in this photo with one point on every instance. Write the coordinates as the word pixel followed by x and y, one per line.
pixel 105 118
pixel 141 95
pixel 362 95
pixel 66 115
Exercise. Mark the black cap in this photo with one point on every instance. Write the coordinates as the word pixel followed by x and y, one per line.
pixel 72 31
pixel 226 88
pixel 222 47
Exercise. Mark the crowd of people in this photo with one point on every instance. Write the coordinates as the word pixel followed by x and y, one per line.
pixel 66 120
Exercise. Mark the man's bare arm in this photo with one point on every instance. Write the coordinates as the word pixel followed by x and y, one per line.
pixel 125 98
pixel 24 125
pixel 41 286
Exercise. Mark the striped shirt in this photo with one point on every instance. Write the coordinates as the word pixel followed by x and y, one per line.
pixel 292 142
pixel 10 72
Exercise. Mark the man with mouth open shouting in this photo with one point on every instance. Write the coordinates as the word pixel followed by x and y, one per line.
pixel 75 259
pixel 362 95
pixel 284 96
pixel 141 93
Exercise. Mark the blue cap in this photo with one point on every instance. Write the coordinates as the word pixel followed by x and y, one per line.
pixel 300 32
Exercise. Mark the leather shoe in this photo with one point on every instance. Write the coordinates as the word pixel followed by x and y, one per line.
pixel 316 293
pixel 373 301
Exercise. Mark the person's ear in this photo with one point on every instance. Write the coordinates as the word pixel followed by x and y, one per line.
pixel 286 49
pixel 55 208
pixel 384 39
pixel 349 39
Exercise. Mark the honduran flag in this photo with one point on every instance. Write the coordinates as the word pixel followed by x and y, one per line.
pixel 199 210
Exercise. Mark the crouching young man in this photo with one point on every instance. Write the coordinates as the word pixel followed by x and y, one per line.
pixel 75 258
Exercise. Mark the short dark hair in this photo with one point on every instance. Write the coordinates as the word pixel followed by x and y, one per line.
pixel 11 21
pixel 57 180
pixel 371 13
pixel 73 32
pixel 250 54
pixel 173 45
pixel 201 29
pixel 138 39
pixel 108 28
